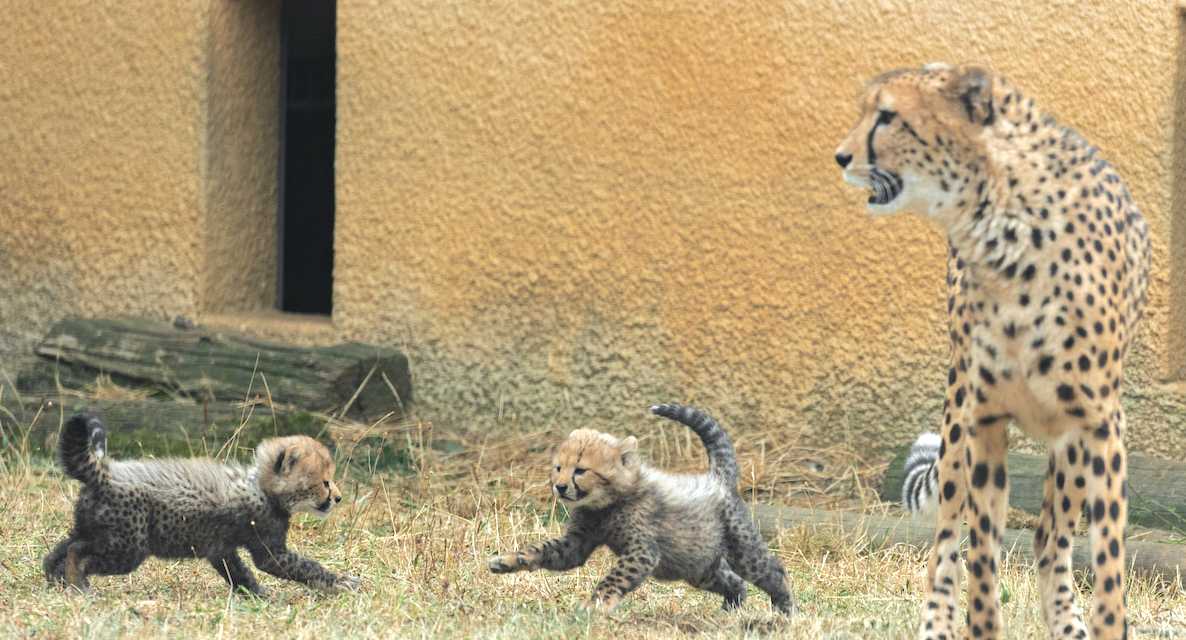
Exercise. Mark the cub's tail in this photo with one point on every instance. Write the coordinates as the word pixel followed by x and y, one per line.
pixel 920 477
pixel 722 461
pixel 82 447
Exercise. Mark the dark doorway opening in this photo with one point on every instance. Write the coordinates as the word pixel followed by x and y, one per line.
pixel 308 59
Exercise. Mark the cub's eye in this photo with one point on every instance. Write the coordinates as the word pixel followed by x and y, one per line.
pixel 578 471
pixel 327 484
pixel 884 116
pixel 557 469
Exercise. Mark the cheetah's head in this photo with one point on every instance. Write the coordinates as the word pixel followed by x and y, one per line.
pixel 297 473
pixel 592 469
pixel 920 138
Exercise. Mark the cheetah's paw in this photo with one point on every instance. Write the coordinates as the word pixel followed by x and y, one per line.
pixel 342 583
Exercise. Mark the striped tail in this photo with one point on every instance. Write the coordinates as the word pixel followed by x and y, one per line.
pixel 82 447
pixel 920 477
pixel 722 461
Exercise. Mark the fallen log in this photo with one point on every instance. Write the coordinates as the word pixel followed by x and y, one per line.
pixel 215 365
pixel 1165 561
pixel 1156 496
pixel 141 428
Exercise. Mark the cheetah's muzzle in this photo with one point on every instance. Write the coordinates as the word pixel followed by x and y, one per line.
pixel 886 186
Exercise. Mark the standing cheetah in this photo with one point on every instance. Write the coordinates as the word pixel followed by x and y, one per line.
pixel 1047 279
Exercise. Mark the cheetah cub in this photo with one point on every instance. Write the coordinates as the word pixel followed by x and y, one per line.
pixel 175 508
pixel 671 527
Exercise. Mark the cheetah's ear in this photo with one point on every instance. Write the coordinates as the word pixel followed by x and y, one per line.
pixel 628 448
pixel 288 458
pixel 971 85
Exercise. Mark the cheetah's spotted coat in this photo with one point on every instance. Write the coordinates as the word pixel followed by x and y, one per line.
pixel 1048 274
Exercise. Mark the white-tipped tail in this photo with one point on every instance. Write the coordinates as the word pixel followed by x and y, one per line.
pixel 920 477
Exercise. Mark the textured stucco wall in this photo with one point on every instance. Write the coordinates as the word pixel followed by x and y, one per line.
pixel 563 210
pixel 138 173
pixel 239 155
pixel 601 205
pixel 99 192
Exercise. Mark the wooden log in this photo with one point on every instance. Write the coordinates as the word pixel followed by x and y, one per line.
pixel 216 365
pixel 1162 560
pixel 142 428
pixel 1156 496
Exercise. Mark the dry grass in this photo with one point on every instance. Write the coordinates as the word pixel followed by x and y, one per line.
pixel 420 540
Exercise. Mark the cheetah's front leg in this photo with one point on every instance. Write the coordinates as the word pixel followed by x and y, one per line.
pixel 231 568
pixel 558 554
pixel 283 563
pixel 1062 504
pixel 988 500
pixel 633 566
pixel 1108 509
pixel 944 573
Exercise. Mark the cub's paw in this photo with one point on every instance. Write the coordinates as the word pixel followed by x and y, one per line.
pixel 504 564
pixel 259 591
pixel 602 605
pixel 342 583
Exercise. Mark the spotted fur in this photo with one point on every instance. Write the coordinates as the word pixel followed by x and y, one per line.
pixel 1047 277
pixel 175 508
pixel 670 527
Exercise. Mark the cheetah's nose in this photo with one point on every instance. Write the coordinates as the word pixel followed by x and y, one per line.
pixel 843 159
pixel 337 499
pixel 560 488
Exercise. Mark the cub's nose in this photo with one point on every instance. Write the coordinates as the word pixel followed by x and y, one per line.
pixel 843 159
pixel 337 498
pixel 560 488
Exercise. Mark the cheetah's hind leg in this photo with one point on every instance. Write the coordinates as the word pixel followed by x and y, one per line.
pixel 749 558
pixel 77 559
pixel 54 563
pixel 721 580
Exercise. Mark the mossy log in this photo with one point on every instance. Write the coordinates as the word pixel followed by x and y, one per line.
pixel 213 365
pixel 1156 496
pixel 142 428
pixel 1158 559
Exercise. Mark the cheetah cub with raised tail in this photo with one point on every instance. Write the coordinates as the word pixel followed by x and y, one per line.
pixel 175 508
pixel 671 527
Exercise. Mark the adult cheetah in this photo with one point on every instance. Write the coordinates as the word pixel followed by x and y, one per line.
pixel 1047 278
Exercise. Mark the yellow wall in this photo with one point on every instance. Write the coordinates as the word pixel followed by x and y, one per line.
pixel 566 211
pixel 239 149
pixel 99 193
pixel 636 201
pixel 138 164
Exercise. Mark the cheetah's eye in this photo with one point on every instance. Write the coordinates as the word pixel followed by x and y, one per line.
pixel 578 471
pixel 557 469
pixel 327 484
pixel 884 116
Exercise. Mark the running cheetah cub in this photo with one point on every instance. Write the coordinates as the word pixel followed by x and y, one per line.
pixel 671 527
pixel 176 508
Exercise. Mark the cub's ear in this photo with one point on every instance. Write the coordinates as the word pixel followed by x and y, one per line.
pixel 628 448
pixel 288 459
pixel 971 86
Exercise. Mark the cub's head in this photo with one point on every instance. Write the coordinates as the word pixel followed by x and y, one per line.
pixel 919 143
pixel 298 473
pixel 591 469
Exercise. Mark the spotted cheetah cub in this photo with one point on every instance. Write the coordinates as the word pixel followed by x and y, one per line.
pixel 175 508
pixel 672 527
